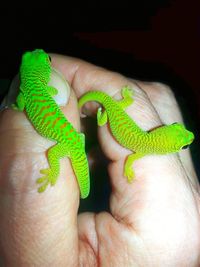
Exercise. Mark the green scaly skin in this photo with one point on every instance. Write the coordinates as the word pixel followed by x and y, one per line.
pixel 162 140
pixel 35 97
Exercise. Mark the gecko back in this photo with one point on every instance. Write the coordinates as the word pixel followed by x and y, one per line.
pixel 35 97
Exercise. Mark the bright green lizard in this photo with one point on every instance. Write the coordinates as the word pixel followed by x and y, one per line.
pixel 162 140
pixel 35 97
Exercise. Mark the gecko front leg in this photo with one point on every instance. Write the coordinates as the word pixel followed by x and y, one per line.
pixel 20 102
pixel 127 94
pixel 52 91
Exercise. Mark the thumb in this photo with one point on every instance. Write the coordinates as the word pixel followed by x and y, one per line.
pixel 28 225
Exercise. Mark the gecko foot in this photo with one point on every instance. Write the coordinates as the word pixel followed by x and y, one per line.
pixel 129 174
pixel 14 107
pixel 127 91
pixel 48 178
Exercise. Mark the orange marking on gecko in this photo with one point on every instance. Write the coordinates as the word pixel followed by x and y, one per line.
pixel 47 115
pixel 42 109
pixel 37 94
pixel 67 133
pixel 41 100
pixel 121 124
pixel 47 124
pixel 63 126
pixel 55 121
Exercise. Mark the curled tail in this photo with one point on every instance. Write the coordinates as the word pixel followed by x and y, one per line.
pixel 96 96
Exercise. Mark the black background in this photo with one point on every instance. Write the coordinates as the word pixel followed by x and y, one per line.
pixel 147 40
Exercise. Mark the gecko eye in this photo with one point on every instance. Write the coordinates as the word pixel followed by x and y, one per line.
pixel 184 147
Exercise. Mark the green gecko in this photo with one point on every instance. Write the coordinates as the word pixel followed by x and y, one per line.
pixel 35 97
pixel 162 140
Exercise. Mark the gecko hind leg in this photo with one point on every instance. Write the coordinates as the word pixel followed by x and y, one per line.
pixel 128 169
pixel 102 117
pixel 51 174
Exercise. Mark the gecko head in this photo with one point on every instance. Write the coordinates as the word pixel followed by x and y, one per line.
pixel 180 137
pixel 171 138
pixel 36 60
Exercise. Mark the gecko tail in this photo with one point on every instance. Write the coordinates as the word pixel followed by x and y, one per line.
pixel 81 169
pixel 96 96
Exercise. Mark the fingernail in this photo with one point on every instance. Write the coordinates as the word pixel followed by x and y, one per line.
pixel 56 80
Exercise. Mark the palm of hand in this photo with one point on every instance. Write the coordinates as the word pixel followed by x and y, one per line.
pixel 152 222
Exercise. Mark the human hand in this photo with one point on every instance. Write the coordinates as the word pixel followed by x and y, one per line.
pixel 154 221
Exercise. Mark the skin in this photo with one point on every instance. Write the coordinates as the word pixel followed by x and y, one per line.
pixel 155 221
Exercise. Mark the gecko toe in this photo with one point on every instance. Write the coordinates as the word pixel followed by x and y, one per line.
pixel 41 180
pixel 129 174
pixel 47 179
pixel 45 171
pixel 43 187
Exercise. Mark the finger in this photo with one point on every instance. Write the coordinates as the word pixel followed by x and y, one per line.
pixel 163 99
pixel 36 229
